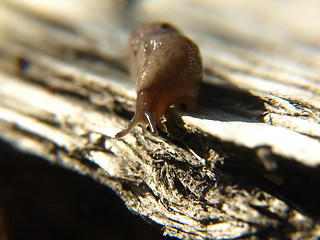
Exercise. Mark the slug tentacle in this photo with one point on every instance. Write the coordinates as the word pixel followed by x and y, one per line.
pixel 128 129
pixel 152 124
pixel 168 69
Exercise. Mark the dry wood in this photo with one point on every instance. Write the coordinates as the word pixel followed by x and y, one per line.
pixel 246 164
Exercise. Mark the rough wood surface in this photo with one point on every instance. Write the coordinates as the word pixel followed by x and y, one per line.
pixel 246 164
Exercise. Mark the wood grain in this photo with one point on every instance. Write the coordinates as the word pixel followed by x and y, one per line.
pixel 246 164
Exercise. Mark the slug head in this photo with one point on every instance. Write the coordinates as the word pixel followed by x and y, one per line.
pixel 147 113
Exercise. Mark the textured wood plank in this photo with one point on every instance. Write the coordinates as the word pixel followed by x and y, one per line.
pixel 244 165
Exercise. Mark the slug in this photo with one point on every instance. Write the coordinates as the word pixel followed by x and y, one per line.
pixel 168 70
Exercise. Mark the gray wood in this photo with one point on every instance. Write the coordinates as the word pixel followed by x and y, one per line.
pixel 245 164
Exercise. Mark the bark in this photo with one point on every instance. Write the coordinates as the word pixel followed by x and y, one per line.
pixel 246 164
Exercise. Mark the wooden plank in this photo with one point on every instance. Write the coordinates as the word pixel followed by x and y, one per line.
pixel 245 164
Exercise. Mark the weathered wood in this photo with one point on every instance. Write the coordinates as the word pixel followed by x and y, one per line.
pixel 245 164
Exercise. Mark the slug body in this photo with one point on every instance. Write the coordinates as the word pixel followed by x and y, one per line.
pixel 168 70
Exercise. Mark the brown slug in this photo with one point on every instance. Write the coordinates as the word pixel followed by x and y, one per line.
pixel 168 69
